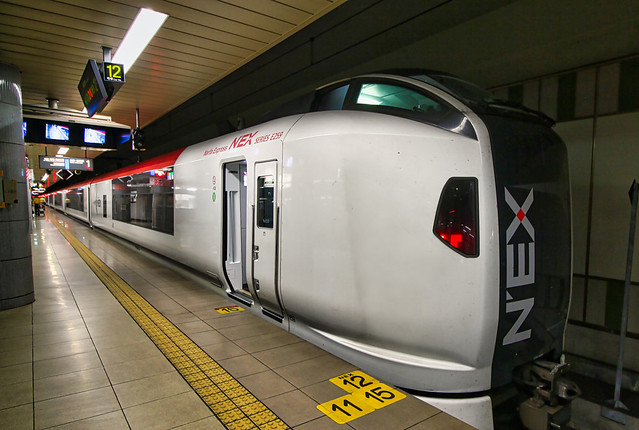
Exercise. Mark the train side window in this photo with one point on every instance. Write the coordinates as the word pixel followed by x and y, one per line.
pixel 331 99
pixel 411 103
pixel 265 201
pixel 75 199
pixel 145 199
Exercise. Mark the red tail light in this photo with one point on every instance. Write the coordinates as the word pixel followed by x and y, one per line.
pixel 456 223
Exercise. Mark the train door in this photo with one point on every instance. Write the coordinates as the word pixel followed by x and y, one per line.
pixel 235 208
pixel 86 203
pixel 265 238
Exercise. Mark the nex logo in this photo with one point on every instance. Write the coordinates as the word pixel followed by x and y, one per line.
pixel 245 139
pixel 522 273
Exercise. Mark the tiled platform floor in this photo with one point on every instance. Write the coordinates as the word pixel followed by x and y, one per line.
pixel 76 359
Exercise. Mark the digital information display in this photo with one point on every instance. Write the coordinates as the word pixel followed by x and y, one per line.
pixel 67 163
pixel 92 135
pixel 56 132
pixel 92 90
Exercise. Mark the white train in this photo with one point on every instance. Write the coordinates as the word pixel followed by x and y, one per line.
pixel 404 222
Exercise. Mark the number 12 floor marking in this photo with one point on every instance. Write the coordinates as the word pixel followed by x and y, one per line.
pixel 366 395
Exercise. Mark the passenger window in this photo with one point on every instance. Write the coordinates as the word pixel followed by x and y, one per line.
pixel 413 104
pixel 265 201
pixel 75 199
pixel 145 199
pixel 331 99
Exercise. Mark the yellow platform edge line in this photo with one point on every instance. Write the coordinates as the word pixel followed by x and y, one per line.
pixel 232 404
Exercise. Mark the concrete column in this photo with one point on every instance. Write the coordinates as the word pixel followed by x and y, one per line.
pixel 16 276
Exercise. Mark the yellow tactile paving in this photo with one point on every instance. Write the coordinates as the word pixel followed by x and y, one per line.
pixel 233 404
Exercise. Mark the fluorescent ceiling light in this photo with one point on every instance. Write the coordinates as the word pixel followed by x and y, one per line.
pixel 62 151
pixel 144 27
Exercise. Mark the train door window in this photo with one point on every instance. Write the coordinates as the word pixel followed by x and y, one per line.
pixel 410 102
pixel 265 201
pixel 331 99
pixel 104 205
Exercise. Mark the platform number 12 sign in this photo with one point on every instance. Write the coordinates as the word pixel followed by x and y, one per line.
pixel 113 72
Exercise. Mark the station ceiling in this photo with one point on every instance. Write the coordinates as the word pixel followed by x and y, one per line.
pixel 492 43
pixel 50 41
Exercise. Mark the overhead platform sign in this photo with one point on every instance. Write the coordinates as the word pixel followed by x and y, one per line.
pixel 99 83
pixel 66 163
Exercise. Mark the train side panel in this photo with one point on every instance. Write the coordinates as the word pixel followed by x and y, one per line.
pixel 199 225
pixel 191 192
pixel 101 204
pixel 200 196
pixel 198 220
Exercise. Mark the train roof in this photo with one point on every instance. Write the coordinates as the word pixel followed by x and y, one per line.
pixel 477 98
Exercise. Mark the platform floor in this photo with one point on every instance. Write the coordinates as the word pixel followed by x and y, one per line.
pixel 76 359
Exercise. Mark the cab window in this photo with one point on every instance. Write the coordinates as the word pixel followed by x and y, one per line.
pixel 397 97
pixel 409 102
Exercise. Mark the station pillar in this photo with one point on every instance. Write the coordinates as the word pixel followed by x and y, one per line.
pixel 16 275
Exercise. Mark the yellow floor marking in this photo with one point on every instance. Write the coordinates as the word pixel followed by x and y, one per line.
pixel 229 309
pixel 366 395
pixel 345 409
pixel 234 405
pixel 353 381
